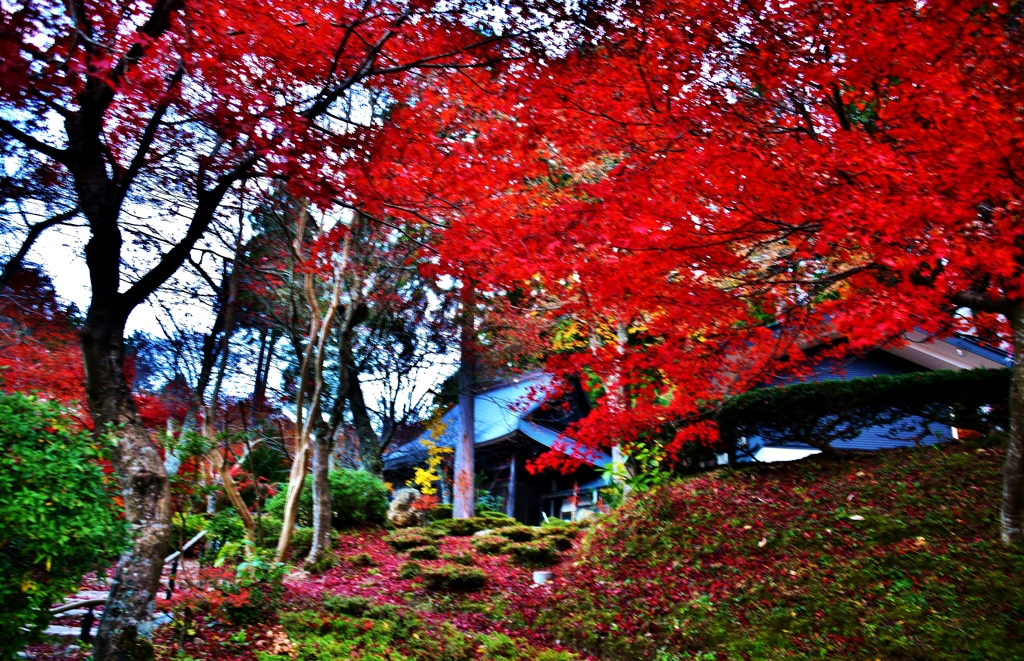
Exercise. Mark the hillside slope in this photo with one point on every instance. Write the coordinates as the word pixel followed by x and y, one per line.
pixel 887 556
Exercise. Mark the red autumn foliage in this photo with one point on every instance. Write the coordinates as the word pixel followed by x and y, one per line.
pixel 717 184
pixel 39 350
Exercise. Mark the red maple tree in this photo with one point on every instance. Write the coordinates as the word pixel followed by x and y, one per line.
pixel 714 185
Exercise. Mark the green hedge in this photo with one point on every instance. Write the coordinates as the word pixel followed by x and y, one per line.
pixel 356 498
pixel 58 514
pixel 819 413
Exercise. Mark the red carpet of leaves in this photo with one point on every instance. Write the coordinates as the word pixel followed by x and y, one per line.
pixel 509 604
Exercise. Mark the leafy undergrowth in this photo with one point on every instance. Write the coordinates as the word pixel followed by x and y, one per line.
pixel 369 606
pixel 888 556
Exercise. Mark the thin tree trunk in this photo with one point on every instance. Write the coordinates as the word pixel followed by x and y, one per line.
pixel 231 489
pixel 310 375
pixel 259 391
pixel 125 623
pixel 322 510
pixel 464 489
pixel 216 456
pixel 210 352
pixel 1012 511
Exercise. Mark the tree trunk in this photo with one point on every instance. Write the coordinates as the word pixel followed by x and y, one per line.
pixel 464 489
pixel 355 314
pixel 311 383
pixel 231 489
pixel 1012 512
pixel 369 444
pixel 321 497
pixel 125 623
pixel 296 478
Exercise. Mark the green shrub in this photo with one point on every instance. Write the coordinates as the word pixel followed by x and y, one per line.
pixel 822 412
pixel 495 516
pixel 540 553
pixel 518 533
pixel 453 578
pixel 184 527
pixel 423 553
pixel 231 553
pixel 488 502
pixel 58 514
pixel 491 544
pixel 410 569
pixel 354 606
pixel 226 526
pixel 440 512
pixel 407 538
pixel 356 498
pixel 357 629
pixel 271 526
pixel 302 541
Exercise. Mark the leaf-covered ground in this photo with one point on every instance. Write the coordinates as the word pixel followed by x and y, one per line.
pixel 886 556
pixel 363 608
pixel 890 556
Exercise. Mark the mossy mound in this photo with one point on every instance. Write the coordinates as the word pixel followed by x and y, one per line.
pixel 408 538
pixel 893 555
pixel 535 554
pixel 454 578
pixel 491 544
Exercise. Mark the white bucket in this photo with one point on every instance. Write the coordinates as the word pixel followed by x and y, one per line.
pixel 542 577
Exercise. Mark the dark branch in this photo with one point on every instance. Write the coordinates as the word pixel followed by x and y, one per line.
pixel 10 129
pixel 14 264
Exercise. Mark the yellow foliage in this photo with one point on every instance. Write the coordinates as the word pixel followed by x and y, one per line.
pixel 424 478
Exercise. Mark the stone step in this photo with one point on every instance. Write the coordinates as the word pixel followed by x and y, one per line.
pixel 66 635
pixel 76 612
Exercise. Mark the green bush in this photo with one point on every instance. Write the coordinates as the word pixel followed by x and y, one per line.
pixel 302 540
pixel 491 544
pixel 423 553
pixel 354 606
pixel 410 569
pixel 356 498
pixel 561 537
pixel 499 647
pixel 357 629
pixel 325 562
pixel 271 527
pixel 227 526
pixel 495 516
pixel 440 512
pixel 453 578
pixel 184 527
pixel 407 538
pixel 58 514
pixel 540 553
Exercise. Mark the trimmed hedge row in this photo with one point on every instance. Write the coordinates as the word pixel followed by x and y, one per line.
pixel 819 413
